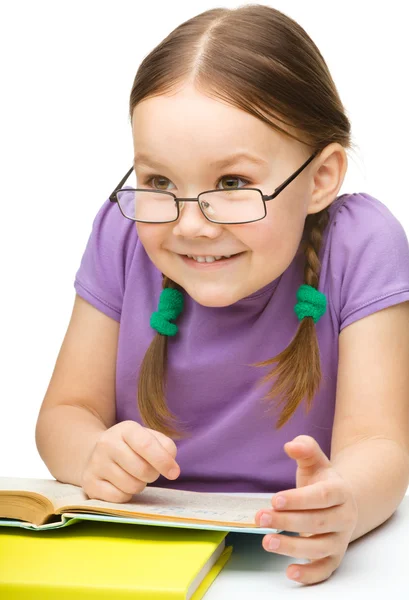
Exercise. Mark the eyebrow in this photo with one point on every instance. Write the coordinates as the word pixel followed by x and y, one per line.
pixel 142 158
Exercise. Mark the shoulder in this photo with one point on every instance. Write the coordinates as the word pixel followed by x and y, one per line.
pixel 368 256
pixel 364 215
pixel 361 227
pixel 107 258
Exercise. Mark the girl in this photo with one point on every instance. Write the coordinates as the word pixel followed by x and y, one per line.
pixel 250 332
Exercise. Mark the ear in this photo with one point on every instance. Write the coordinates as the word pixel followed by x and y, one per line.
pixel 327 177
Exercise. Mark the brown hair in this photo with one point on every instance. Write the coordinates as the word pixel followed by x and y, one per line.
pixel 260 60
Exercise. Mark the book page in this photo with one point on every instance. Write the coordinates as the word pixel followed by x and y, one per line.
pixel 55 491
pixel 183 505
pixel 152 501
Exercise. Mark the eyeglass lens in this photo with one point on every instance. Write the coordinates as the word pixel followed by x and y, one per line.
pixel 224 206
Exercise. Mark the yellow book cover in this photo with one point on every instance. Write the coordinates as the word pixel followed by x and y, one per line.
pixel 98 560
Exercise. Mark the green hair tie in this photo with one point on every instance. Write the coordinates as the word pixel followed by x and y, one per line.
pixel 170 307
pixel 311 303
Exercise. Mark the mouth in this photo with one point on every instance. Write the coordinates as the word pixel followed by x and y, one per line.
pixel 206 262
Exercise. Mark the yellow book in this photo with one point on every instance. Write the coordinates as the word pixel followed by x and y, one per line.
pixel 107 561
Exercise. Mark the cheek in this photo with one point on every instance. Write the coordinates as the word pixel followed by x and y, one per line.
pixel 151 236
pixel 262 238
pixel 275 241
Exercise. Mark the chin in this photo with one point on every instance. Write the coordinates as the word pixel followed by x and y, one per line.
pixel 213 299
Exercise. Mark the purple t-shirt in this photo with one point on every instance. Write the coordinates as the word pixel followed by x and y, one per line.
pixel 234 446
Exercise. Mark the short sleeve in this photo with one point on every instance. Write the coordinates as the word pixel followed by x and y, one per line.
pixel 101 276
pixel 369 259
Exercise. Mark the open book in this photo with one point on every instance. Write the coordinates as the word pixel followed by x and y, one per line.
pixel 41 503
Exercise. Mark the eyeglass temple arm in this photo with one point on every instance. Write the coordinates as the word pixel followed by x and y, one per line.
pixel 291 178
pixel 112 196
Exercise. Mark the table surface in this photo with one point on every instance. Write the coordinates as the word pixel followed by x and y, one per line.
pixel 374 564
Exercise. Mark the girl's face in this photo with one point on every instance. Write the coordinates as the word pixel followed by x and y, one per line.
pixel 181 136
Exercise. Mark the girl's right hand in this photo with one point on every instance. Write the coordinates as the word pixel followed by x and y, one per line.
pixel 124 459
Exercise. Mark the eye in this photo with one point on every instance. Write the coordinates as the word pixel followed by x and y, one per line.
pixel 230 179
pixel 162 182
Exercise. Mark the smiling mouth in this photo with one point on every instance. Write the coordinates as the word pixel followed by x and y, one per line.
pixel 208 260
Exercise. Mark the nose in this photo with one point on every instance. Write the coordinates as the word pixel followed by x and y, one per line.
pixel 192 222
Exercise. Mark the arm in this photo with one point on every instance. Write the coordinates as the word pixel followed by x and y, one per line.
pixel 65 437
pixel 79 403
pixel 370 438
pixel 378 470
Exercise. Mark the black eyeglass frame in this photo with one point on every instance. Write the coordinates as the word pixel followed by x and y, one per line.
pixel 265 198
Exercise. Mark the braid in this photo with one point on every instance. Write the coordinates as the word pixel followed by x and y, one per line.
pixel 315 226
pixel 151 385
pixel 298 368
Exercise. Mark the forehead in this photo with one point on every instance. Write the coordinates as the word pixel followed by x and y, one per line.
pixel 193 121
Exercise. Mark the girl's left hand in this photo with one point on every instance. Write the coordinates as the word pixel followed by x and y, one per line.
pixel 323 507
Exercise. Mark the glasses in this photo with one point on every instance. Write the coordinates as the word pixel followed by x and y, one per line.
pixel 230 207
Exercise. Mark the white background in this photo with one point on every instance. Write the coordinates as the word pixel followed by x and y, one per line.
pixel 66 74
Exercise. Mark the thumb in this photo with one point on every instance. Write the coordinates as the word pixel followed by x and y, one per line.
pixel 166 442
pixel 308 453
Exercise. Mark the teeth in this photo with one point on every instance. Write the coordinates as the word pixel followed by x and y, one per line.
pixel 208 259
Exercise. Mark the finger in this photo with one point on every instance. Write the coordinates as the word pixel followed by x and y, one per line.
pixel 314 572
pixel 308 453
pixel 307 521
pixel 134 464
pixel 148 446
pixel 100 489
pixel 123 481
pixel 166 441
pixel 315 547
pixel 322 494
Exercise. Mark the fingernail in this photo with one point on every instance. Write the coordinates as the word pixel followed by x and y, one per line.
pixel 173 473
pixel 266 520
pixel 279 502
pixel 274 543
